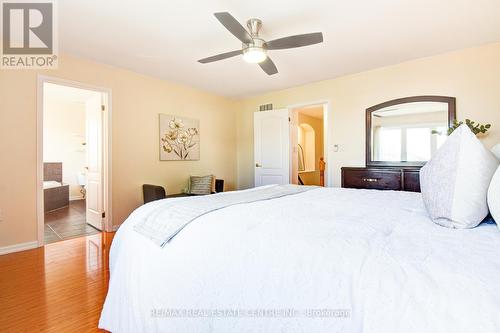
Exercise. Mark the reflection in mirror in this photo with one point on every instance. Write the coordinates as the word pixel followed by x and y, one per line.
pixel 409 131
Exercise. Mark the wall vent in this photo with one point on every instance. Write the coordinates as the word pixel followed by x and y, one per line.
pixel 266 107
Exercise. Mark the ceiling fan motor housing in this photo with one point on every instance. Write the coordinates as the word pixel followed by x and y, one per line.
pixel 256 43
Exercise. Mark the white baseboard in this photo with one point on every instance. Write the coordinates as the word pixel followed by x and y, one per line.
pixel 115 227
pixel 18 247
pixel 76 198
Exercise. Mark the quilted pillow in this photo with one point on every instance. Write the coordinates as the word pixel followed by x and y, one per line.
pixel 201 185
pixel 494 197
pixel 455 181
pixel 496 151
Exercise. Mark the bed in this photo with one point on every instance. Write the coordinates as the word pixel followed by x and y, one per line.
pixel 324 260
pixel 55 192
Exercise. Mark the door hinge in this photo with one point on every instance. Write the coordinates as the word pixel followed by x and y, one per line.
pixel 289 119
pixel 103 214
pixel 103 107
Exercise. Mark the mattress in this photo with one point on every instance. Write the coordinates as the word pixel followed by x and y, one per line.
pixel 326 260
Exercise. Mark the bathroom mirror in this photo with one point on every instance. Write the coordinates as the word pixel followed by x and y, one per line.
pixel 407 131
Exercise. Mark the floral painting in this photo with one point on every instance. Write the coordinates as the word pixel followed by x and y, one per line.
pixel 179 138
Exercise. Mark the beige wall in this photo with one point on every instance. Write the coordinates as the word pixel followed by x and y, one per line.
pixel 471 75
pixel 63 135
pixel 136 100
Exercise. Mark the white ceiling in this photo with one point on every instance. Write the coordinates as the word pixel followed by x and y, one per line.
pixel 166 38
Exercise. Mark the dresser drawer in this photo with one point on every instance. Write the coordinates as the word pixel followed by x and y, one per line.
pixel 372 179
pixel 412 180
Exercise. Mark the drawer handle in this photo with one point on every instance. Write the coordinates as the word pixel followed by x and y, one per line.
pixel 370 180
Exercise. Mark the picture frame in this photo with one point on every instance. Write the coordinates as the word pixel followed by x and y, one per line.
pixel 179 138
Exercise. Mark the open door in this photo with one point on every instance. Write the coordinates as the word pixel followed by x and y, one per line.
pixel 272 147
pixel 94 147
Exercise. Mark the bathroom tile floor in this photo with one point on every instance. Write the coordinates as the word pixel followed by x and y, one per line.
pixel 67 222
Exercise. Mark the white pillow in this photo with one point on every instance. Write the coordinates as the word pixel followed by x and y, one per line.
pixel 496 151
pixel 455 181
pixel 494 197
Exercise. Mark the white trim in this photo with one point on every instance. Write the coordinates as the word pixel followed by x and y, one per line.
pixel 39 163
pixel 76 197
pixel 115 227
pixel 108 220
pixel 18 247
pixel 326 134
pixel 41 79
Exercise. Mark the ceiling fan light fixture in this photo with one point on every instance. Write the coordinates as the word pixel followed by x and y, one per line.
pixel 254 55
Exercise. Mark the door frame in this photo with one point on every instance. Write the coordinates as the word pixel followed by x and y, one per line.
pixel 107 160
pixel 326 136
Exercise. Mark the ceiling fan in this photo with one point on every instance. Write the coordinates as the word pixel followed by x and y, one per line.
pixel 254 48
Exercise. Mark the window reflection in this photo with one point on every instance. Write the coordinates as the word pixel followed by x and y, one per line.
pixel 415 144
pixel 407 132
pixel 389 144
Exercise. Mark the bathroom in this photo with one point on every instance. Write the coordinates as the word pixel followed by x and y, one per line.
pixel 65 162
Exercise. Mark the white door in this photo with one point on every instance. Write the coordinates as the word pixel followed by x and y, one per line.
pixel 272 147
pixel 94 182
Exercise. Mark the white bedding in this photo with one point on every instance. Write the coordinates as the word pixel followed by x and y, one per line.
pixel 375 254
pixel 169 218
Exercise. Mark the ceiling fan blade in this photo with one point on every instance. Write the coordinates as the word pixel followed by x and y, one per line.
pixel 295 41
pixel 234 27
pixel 268 66
pixel 220 56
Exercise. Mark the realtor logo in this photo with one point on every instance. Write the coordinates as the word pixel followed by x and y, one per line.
pixel 28 35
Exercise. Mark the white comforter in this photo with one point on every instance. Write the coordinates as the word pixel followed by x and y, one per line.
pixel 375 255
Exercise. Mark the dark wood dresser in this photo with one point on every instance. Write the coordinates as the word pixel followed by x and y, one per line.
pixel 382 178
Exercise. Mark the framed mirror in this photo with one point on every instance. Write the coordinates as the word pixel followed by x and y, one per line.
pixel 407 131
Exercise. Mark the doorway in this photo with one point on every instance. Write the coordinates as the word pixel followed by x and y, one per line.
pixel 73 156
pixel 308 160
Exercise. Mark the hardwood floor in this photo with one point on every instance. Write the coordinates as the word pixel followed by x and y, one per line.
pixel 57 288
pixel 68 222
